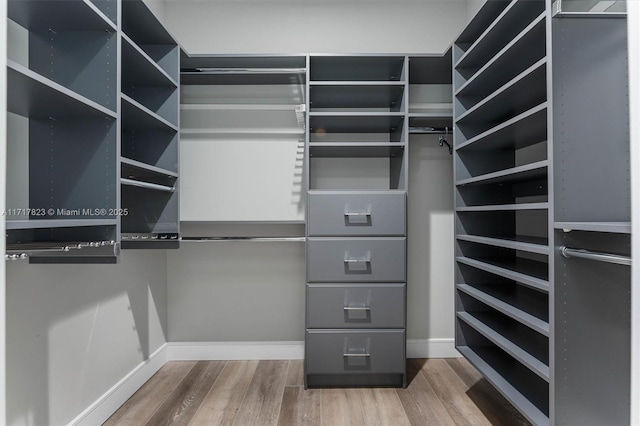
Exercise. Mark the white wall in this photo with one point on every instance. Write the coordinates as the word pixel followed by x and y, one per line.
pixel 73 331
pixel 316 26
pixel 634 103
pixel 3 145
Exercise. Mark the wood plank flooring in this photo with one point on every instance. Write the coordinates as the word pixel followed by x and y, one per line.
pixel 239 393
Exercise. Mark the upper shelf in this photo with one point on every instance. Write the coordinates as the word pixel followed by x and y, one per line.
pixel 45 15
pixel 140 69
pixel 506 27
pixel 485 16
pixel 35 96
pixel 364 123
pixel 360 97
pixel 142 26
pixel 611 227
pixel 430 69
pixel 242 70
pixel 357 68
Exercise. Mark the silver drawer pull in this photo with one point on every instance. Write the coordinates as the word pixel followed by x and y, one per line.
pixel 349 213
pixel 356 355
pixel 357 214
pixel 363 259
pixel 357 308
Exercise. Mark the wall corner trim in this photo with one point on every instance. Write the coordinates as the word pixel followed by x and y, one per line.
pixel 98 412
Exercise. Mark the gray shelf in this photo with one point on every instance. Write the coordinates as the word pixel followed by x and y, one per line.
pixel 362 150
pixel 136 169
pixel 430 69
pixel 42 15
pixel 356 97
pixel 139 23
pixel 523 51
pixel 521 131
pixel 356 123
pixel 505 302
pixel 356 68
pixel 528 274
pixel 609 227
pixel 527 172
pixel 506 380
pixel 515 341
pixel 138 68
pixel 523 92
pixel 504 207
pixel 484 17
pixel 504 28
pixel 139 116
pixel 521 243
pixel 29 89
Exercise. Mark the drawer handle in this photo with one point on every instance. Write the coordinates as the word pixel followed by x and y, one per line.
pixel 363 259
pixel 356 355
pixel 357 308
pixel 349 213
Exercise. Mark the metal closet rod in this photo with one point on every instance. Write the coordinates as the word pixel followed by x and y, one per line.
pixel 27 250
pixel 147 185
pixel 570 252
pixel 229 239
pixel 215 70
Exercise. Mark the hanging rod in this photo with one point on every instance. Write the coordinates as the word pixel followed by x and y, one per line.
pixel 230 239
pixel 26 250
pixel 569 252
pixel 147 185
pixel 219 71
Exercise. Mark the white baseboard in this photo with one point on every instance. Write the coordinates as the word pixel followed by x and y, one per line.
pixel 432 348
pixel 107 404
pixel 212 351
pixel 98 412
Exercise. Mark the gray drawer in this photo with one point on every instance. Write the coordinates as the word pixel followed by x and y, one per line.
pixel 345 352
pixel 355 306
pixel 356 259
pixel 360 213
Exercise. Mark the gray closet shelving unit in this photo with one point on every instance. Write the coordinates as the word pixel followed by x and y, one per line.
pixel 69 126
pixel 540 106
pixel 356 221
pixel 150 130
pixel 64 97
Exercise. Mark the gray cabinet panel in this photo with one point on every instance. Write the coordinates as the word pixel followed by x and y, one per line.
pixel 364 213
pixel 355 352
pixel 355 305
pixel 356 259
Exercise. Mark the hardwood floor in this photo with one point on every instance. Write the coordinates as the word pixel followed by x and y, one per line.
pixel 440 392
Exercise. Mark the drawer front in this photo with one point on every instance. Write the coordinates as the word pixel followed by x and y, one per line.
pixel 332 214
pixel 355 306
pixel 337 352
pixel 356 260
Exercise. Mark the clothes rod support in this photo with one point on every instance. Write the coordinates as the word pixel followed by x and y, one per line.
pixel 230 239
pixel 147 185
pixel 569 253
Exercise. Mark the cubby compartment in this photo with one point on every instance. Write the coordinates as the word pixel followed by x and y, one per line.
pixel 524 230
pixel 355 128
pixel 506 27
pixel 498 193
pixel 151 216
pixel 521 386
pixel 524 344
pixel 108 7
pixel 356 97
pixel 528 306
pixel 357 68
pixel 357 173
pixel 147 33
pixel 523 51
pixel 146 139
pixel 478 25
pixel 76 49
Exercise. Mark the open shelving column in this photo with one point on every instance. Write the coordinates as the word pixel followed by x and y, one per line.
pixel 150 62
pixel 356 221
pixel 62 132
pixel 501 167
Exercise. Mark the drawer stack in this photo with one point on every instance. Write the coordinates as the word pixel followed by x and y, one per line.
pixel 356 222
